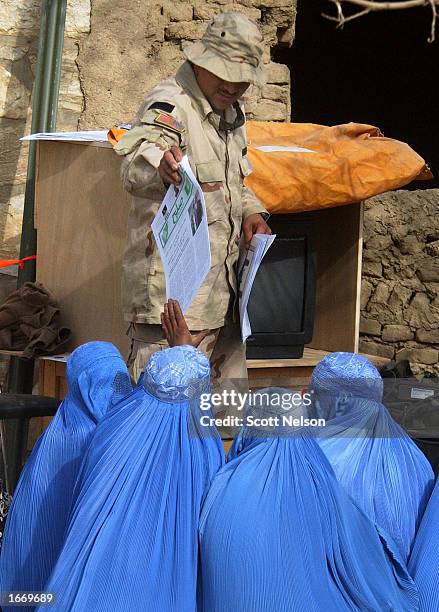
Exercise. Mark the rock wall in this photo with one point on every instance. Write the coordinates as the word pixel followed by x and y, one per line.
pixel 135 44
pixel 400 287
pixel 19 29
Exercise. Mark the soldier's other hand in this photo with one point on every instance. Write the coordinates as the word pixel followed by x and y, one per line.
pixel 254 224
pixel 168 167
pixel 175 327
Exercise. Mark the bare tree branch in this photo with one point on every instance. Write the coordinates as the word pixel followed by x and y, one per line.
pixel 374 5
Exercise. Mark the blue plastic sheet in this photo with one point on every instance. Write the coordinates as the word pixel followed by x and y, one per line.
pixel 373 458
pixel 37 520
pixel 424 560
pixel 278 533
pixel 132 541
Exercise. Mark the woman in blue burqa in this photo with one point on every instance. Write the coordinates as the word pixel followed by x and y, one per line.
pixel 96 377
pixel 374 459
pixel 132 540
pixel 278 533
pixel 424 560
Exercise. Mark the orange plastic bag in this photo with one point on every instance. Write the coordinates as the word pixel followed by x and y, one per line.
pixel 341 165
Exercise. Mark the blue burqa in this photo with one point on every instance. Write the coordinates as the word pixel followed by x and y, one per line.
pixel 96 378
pixel 373 458
pixel 132 541
pixel 278 534
pixel 424 560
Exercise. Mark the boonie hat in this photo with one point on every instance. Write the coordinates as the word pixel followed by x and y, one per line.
pixel 231 48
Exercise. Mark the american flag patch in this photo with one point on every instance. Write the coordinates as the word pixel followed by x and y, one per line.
pixel 170 122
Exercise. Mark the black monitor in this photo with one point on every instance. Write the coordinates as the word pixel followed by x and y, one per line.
pixel 282 299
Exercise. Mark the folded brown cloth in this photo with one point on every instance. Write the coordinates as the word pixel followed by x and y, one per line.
pixel 30 322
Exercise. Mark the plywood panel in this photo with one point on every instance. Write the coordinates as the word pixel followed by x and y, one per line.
pixel 338 236
pixel 81 216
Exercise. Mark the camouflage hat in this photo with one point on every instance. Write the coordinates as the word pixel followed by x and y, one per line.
pixel 231 48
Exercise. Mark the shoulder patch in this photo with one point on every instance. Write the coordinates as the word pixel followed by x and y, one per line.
pixel 169 122
pixel 164 106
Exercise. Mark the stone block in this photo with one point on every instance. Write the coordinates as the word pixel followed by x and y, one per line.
pixel 397 333
pixel 185 30
pixel 382 293
pixel 428 271
pixel 399 298
pixel 179 11
pixel 277 73
pixel 20 17
pixel 13 153
pixel 432 248
pixel 420 314
pixel 77 17
pixel 13 48
pixel 281 16
pixel 428 336
pixel 398 232
pixel 370 327
pixel 366 292
pixel 427 356
pixel 410 245
pixel 264 4
pixel 374 348
pixel 249 10
pixel 14 94
pixel 372 268
pixel 267 110
pixel 276 93
pixel 269 33
pixel 381 243
pixel 285 36
pixel 432 289
pixel 11 216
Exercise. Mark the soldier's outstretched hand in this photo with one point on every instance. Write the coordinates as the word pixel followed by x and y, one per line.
pixel 175 327
pixel 168 167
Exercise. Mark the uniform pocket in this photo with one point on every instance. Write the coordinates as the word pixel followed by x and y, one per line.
pixel 211 171
pixel 211 176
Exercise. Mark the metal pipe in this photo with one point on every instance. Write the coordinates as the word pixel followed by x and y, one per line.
pixel 44 113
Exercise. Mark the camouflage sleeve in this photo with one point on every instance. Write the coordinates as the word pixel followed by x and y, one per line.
pixel 143 147
pixel 250 203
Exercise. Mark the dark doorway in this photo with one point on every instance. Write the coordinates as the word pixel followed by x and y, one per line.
pixel 379 69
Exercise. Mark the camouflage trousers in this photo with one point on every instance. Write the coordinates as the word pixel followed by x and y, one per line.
pixel 223 347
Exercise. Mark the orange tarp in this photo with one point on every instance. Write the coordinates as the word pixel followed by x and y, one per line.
pixel 343 164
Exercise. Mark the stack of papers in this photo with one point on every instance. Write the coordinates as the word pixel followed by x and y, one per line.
pixel 248 266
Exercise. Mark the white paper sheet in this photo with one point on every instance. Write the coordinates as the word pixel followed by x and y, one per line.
pixel 181 233
pixel 248 266
pixel 280 149
pixel 90 136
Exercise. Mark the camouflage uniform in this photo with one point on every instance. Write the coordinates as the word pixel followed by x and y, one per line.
pixel 176 113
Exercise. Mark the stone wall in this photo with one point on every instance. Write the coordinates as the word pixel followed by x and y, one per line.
pixel 400 288
pixel 135 44
pixel 19 28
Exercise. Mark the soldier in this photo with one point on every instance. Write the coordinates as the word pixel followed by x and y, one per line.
pixel 197 112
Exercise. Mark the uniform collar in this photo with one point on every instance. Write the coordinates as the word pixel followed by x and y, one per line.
pixel 185 77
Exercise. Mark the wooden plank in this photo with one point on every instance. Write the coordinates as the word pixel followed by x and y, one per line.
pixel 338 235
pixel 82 213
